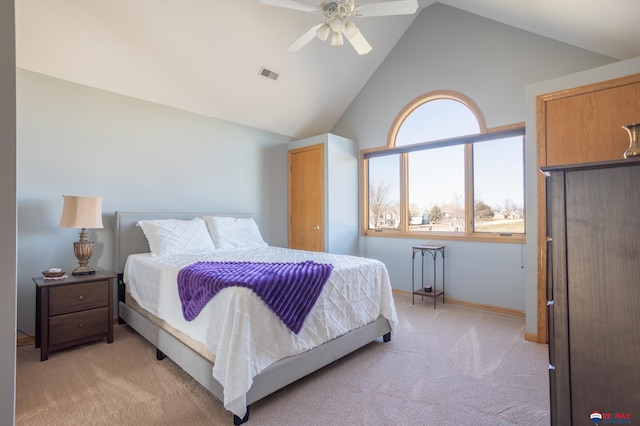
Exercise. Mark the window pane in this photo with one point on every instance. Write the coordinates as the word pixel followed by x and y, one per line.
pixel 498 181
pixel 384 192
pixel 435 120
pixel 436 190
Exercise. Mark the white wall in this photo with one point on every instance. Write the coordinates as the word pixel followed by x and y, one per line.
pixel 606 72
pixel 137 155
pixel 449 49
pixel 7 213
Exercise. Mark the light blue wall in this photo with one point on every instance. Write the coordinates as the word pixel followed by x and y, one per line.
pixel 449 49
pixel 136 155
pixel 7 213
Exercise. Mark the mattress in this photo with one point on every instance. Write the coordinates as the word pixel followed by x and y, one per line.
pixel 243 334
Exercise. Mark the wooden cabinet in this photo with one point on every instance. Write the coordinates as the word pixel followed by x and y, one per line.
pixel 323 194
pixel 593 289
pixel 575 126
pixel 72 311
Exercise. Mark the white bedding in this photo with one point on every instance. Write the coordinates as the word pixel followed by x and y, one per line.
pixel 242 332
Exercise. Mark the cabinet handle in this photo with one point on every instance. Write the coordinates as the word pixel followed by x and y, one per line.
pixel 316 228
pixel 81 325
pixel 81 297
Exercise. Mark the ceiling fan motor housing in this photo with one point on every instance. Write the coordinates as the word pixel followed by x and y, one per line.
pixel 336 9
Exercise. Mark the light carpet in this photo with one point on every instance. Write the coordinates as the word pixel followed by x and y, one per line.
pixel 453 365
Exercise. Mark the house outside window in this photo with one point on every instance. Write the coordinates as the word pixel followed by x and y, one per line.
pixel 443 174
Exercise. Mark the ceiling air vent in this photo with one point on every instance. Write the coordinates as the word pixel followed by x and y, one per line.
pixel 268 73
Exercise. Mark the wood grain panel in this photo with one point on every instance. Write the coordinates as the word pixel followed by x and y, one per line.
pixel 603 265
pixel 78 297
pixel 588 127
pixel 306 198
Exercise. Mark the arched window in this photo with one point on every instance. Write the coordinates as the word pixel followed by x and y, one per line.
pixel 436 116
pixel 443 173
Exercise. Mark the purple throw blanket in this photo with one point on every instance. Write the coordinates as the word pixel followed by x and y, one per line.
pixel 289 289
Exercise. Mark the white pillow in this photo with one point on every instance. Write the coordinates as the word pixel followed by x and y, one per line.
pixel 173 236
pixel 234 233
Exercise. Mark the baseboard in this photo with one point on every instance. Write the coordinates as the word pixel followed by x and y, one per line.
pixel 532 337
pixel 484 307
pixel 25 340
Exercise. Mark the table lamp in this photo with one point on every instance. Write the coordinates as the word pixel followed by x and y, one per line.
pixel 82 212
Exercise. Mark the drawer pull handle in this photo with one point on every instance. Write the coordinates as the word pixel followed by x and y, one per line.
pixel 81 297
pixel 81 325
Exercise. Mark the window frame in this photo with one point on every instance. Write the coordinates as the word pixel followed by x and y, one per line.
pixel 517 129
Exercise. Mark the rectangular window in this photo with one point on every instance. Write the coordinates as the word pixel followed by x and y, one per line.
pixel 436 190
pixel 469 187
pixel 498 184
pixel 384 192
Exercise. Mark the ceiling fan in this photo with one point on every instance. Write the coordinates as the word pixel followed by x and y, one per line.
pixel 336 12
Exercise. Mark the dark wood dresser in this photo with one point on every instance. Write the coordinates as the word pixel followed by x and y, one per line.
pixel 72 311
pixel 593 291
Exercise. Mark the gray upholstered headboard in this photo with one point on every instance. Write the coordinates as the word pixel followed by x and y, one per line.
pixel 129 238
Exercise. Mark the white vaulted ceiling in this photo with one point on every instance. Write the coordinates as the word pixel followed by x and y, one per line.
pixel 205 56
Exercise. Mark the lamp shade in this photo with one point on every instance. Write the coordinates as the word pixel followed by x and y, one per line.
pixel 81 212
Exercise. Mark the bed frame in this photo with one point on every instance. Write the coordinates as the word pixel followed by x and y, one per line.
pixel 129 239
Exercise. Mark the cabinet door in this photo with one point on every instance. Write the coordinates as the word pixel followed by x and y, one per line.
pixel 306 198
pixel 587 127
pixel 603 290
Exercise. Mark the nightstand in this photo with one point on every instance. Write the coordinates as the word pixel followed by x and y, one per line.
pixel 72 311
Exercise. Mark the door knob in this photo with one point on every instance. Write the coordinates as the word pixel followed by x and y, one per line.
pixel 316 228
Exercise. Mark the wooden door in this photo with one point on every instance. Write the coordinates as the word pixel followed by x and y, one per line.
pixel 306 198
pixel 577 126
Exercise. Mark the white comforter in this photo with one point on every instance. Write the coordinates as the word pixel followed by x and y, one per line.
pixel 242 332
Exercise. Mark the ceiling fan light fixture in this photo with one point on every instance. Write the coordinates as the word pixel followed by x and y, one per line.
pixel 336 39
pixel 350 30
pixel 336 25
pixel 323 32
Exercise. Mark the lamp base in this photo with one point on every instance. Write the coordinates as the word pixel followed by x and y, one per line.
pixel 83 270
pixel 83 250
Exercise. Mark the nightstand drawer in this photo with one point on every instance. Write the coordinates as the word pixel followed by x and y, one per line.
pixel 78 325
pixel 78 297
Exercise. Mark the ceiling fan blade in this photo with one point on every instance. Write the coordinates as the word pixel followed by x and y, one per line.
pixel 306 38
pixel 356 39
pixel 400 7
pixel 292 4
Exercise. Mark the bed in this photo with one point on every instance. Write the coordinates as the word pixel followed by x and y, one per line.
pixel 242 358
